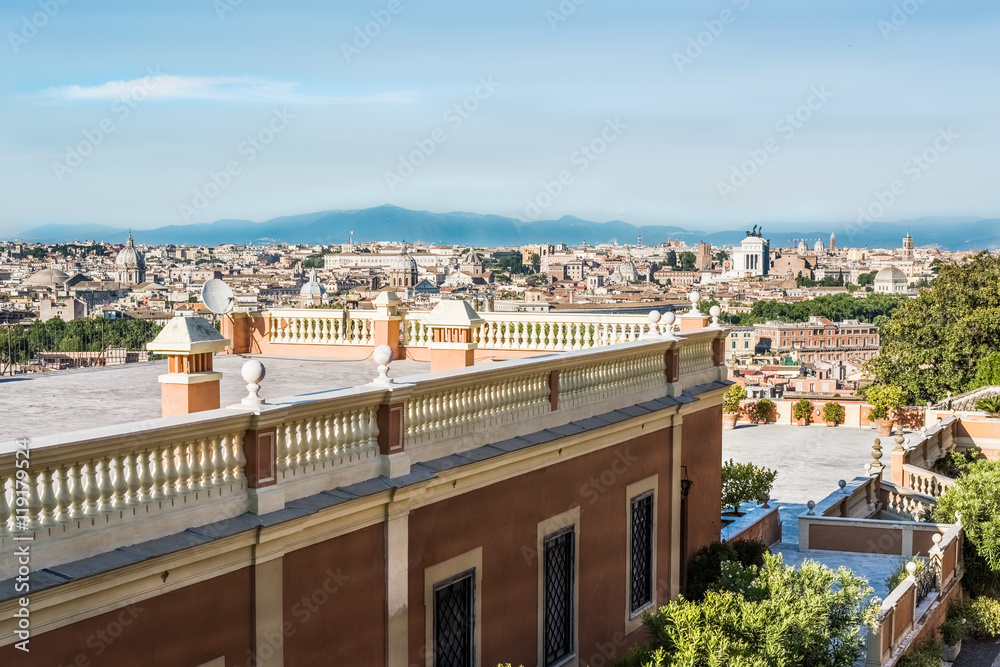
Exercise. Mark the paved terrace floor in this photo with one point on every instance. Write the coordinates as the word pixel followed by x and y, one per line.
pixel 810 460
pixel 40 404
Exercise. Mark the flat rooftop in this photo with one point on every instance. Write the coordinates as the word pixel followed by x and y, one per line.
pixel 53 402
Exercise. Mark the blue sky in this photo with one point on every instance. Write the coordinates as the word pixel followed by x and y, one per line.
pixel 195 110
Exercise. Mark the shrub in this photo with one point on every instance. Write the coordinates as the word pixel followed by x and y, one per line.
pixel 705 568
pixel 954 464
pixel 833 412
pixel 928 654
pixel 953 630
pixel 750 552
pixel 976 496
pixel 802 409
pixel 980 616
pixel 808 616
pixel 990 405
pixel 884 399
pixel 744 482
pixel 763 409
pixel 900 573
pixel 731 399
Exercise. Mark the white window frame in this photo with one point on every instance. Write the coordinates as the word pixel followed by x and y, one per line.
pixel 545 528
pixel 435 574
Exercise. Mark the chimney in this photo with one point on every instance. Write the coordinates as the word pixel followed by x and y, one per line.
pixel 190 384
pixel 452 324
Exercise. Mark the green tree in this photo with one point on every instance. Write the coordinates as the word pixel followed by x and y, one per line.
pixel 809 616
pixel 744 482
pixel 672 259
pixel 687 260
pixel 976 496
pixel 987 372
pixel 934 342
pixel 867 278
pixel 721 256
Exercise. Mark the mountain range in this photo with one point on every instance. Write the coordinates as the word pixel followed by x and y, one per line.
pixel 391 223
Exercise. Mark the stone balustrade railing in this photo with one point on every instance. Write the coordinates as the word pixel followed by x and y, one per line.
pixel 924 481
pixel 912 602
pixel 499 331
pixel 320 326
pixel 87 492
pixel 905 503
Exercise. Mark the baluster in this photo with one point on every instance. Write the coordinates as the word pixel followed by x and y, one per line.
pixel 373 428
pixel 120 495
pixel 205 464
pixel 229 459
pixel 107 488
pixel 218 463
pixel 58 506
pixel 329 438
pixel 311 440
pixel 301 444
pixel 34 501
pixel 158 456
pixel 363 433
pixel 185 481
pixel 5 509
pixel 240 461
pixel 93 493
pixel 282 447
pixel 145 464
pixel 78 495
pixel 173 454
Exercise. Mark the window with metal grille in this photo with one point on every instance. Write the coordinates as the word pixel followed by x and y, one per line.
pixel 641 575
pixel 454 621
pixel 559 577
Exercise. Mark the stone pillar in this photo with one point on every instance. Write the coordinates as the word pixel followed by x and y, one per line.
pixel 190 384
pixel 391 420
pixel 452 324
pixel 693 319
pixel 236 327
pixel 386 322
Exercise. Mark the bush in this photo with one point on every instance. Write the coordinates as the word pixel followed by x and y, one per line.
pixel 953 630
pixel 808 616
pixel 928 654
pixel 976 496
pixel 744 482
pixel 900 573
pixel 833 412
pixel 954 464
pixel 750 552
pixel 705 568
pixel 763 409
pixel 979 616
pixel 731 399
pixel 802 409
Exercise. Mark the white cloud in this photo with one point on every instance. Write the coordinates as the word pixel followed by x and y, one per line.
pixel 159 86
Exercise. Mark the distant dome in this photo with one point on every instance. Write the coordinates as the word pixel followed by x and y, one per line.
pixel 818 246
pixel 129 257
pixel 47 278
pixel 403 262
pixel 803 247
pixel 890 279
pixel 313 288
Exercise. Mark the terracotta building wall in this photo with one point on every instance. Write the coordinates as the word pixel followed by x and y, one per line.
pixel 503 520
pixel 334 601
pixel 702 454
pixel 183 628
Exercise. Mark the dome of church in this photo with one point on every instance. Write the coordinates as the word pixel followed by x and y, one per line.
pixel 403 262
pixel 129 257
pixel 47 278
pixel 803 247
pixel 890 274
pixel 312 288
pixel 818 246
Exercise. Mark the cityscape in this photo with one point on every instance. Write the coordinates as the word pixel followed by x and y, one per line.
pixel 560 334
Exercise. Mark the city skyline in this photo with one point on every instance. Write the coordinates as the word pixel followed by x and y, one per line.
pixel 695 116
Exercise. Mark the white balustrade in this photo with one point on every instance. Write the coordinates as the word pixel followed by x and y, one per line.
pixel 617 376
pixel 696 356
pixel 558 332
pixel 926 482
pixel 312 441
pixel 316 326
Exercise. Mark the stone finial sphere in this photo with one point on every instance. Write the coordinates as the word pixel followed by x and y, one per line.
pixel 382 355
pixel 253 372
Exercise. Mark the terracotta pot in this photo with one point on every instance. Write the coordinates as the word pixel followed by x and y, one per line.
pixel 831 424
pixel 951 651
pixel 729 421
pixel 802 422
pixel 884 427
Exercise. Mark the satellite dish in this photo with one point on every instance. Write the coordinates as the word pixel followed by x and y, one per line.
pixel 217 296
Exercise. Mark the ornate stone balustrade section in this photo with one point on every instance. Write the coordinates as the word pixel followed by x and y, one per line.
pixel 559 332
pixel 319 326
pixel 904 503
pixel 925 482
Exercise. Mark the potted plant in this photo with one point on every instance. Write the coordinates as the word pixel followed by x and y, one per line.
pixel 833 414
pixel 989 405
pixel 744 483
pixel 763 410
pixel 885 402
pixel 731 405
pixel 953 631
pixel 801 411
